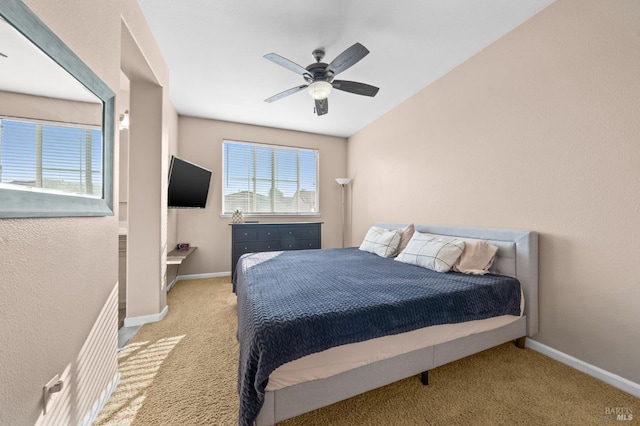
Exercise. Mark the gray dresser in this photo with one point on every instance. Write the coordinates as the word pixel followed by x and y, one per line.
pixel 259 237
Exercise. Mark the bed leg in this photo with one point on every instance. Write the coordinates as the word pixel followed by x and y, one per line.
pixel 424 378
pixel 520 342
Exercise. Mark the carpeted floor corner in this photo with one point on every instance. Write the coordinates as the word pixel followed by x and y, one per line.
pixel 182 371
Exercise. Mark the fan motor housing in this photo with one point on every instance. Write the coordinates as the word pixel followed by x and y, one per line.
pixel 318 71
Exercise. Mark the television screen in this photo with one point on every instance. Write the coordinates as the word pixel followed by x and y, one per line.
pixel 188 184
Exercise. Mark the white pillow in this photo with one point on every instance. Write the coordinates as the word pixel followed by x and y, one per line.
pixel 433 252
pixel 381 241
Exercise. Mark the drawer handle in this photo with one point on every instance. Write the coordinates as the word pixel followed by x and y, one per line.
pixel 290 232
pixel 290 246
pixel 246 248
pixel 245 234
pixel 268 233
pixel 268 246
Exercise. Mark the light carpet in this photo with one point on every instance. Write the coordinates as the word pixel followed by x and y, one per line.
pixel 183 369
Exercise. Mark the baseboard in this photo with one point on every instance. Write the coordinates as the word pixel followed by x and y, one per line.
pixel 92 415
pixel 145 319
pixel 198 276
pixel 171 284
pixel 597 372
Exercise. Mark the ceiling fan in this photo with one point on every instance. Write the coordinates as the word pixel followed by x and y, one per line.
pixel 320 76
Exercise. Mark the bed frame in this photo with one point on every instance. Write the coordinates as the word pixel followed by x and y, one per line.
pixel 517 256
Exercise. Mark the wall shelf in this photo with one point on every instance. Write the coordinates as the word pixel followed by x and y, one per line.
pixel 177 256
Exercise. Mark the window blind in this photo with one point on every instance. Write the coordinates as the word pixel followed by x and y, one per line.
pixel 270 180
pixel 53 157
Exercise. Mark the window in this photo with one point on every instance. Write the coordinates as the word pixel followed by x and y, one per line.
pixel 263 179
pixel 51 157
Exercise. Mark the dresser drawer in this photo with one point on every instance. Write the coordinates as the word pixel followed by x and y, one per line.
pixel 268 233
pixel 309 232
pixel 297 244
pixel 309 244
pixel 245 233
pixel 304 231
pixel 255 247
pixel 249 247
pixel 268 246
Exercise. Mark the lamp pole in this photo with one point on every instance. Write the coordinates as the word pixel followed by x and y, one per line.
pixel 342 182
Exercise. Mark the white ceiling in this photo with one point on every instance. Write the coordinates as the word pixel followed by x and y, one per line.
pixel 214 50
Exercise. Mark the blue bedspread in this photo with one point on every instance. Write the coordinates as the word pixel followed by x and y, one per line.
pixel 294 303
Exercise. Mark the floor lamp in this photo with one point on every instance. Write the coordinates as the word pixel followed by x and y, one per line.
pixel 342 182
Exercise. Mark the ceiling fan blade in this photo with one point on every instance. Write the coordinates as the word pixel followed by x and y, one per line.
pixel 355 87
pixel 286 93
pixel 347 58
pixel 322 106
pixel 284 62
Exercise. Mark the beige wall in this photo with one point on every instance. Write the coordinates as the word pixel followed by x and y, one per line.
pixel 59 276
pixel 20 105
pixel 172 216
pixel 538 131
pixel 200 141
pixel 145 219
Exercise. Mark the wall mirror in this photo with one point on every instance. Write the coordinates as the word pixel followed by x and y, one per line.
pixel 56 124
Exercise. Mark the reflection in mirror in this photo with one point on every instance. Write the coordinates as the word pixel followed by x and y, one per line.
pixel 50 124
pixel 56 135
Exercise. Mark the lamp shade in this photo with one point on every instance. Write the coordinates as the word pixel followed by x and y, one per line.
pixel 319 89
pixel 343 181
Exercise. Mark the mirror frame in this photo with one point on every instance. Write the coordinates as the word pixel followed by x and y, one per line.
pixel 31 204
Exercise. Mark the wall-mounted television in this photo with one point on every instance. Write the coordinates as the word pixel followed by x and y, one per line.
pixel 188 185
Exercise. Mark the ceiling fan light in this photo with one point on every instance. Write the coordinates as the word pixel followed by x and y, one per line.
pixel 319 89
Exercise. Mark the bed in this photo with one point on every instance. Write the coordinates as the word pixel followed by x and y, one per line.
pixel 285 369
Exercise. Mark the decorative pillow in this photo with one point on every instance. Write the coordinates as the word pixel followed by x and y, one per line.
pixel 477 257
pixel 433 252
pixel 405 235
pixel 381 241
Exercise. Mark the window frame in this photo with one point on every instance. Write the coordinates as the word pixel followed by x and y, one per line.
pixel 270 214
pixel 15 203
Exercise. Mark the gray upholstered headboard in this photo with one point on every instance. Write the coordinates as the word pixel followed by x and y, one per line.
pixel 517 256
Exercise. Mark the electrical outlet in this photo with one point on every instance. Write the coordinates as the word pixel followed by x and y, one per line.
pixel 54 385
